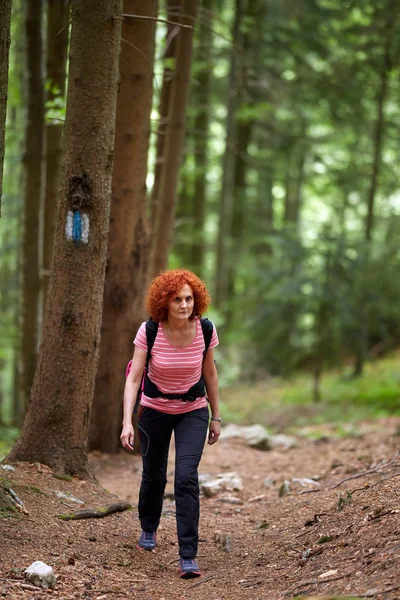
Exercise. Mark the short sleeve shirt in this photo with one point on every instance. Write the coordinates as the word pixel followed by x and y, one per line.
pixel 174 369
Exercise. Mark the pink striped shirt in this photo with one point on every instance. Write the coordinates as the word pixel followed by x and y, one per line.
pixel 174 370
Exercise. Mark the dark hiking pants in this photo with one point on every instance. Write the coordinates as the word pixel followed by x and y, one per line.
pixel 155 430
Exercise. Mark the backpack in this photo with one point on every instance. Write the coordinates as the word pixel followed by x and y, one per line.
pixel 151 334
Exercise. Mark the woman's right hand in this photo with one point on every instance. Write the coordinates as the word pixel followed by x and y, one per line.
pixel 127 436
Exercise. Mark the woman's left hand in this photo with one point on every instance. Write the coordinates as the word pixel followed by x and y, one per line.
pixel 214 432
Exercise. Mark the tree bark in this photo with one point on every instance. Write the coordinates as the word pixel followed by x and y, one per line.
pixel 380 120
pixel 316 389
pixel 183 221
pixel 58 12
pixel 5 39
pixel 201 123
pixel 33 192
pixel 294 180
pixel 128 237
pixel 386 67
pixel 224 241
pixel 174 141
pixel 163 109
pixel 55 430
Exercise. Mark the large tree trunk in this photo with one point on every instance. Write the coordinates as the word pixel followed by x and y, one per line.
pixel 127 245
pixel 33 192
pixel 201 122
pixel 5 23
pixel 164 107
pixel 175 134
pixel 57 48
pixel 224 241
pixel 56 425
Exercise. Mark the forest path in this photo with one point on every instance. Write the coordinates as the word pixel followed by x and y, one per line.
pixel 260 549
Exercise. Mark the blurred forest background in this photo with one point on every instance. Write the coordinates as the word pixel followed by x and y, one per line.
pixel 256 143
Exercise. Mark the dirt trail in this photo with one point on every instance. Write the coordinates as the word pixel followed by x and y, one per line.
pixel 259 549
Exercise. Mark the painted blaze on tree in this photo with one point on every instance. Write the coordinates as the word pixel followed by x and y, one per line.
pixel 56 425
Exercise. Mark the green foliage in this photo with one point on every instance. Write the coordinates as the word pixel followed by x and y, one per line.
pixel 285 404
pixel 344 500
pixel 8 437
pixel 307 293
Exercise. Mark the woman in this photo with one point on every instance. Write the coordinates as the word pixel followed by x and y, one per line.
pixel 176 300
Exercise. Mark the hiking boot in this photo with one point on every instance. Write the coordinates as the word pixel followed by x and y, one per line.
pixel 147 540
pixel 188 568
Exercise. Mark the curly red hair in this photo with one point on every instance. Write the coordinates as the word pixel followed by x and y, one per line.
pixel 166 285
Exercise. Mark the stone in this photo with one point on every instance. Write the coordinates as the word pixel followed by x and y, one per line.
pixel 40 574
pixel 67 496
pixel 305 481
pixel 257 437
pixel 286 441
pixel 223 481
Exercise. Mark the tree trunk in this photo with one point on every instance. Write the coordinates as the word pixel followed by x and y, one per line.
pixel 128 236
pixel 317 374
pixel 55 430
pixel 294 180
pixel 164 106
pixel 173 143
pixel 266 199
pixel 224 241
pixel 201 124
pixel 380 121
pixel 58 12
pixel 239 208
pixel 33 192
pixel 183 222
pixel 5 39
pixel 386 68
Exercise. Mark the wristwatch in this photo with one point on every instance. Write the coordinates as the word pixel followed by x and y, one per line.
pixel 216 419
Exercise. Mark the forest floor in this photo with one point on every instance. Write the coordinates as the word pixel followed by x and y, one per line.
pixel 317 541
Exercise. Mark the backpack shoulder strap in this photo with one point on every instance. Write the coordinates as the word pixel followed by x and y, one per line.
pixel 151 334
pixel 208 328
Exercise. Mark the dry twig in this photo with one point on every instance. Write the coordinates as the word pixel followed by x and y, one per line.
pixel 377 469
pixel 203 580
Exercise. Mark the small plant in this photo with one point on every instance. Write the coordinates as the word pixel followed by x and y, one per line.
pixel 344 499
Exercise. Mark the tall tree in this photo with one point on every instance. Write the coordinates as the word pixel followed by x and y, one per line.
pixel 201 124
pixel 56 426
pixel 5 39
pixel 128 236
pixel 174 140
pixel 251 70
pixel 384 73
pixel 226 199
pixel 163 108
pixel 56 56
pixel 33 191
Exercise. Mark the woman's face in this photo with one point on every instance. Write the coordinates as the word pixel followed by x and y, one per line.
pixel 182 304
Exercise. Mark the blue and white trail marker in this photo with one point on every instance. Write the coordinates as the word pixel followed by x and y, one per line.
pixel 77 227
